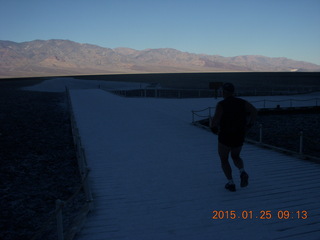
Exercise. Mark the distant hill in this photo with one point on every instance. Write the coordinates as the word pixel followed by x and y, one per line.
pixel 64 57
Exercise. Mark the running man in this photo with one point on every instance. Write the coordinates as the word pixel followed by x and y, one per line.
pixel 232 119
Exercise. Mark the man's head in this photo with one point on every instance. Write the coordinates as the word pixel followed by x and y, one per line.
pixel 227 90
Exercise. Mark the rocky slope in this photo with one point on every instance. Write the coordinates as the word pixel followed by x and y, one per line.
pixel 64 57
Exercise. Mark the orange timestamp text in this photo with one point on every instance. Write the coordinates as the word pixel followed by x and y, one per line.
pixel 263 214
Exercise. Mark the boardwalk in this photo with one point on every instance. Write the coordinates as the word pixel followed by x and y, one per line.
pixel 155 176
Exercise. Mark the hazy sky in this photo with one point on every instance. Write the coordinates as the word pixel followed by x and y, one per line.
pixel 274 28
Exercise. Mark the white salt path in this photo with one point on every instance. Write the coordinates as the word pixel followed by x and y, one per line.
pixel 156 176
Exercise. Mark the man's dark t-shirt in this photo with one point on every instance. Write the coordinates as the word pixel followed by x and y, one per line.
pixel 233 122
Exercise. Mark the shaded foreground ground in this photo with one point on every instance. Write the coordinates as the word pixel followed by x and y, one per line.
pixel 38 162
pixel 37 159
pixel 159 177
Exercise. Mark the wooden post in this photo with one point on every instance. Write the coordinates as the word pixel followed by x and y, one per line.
pixel 80 156
pixel 215 86
pixel 86 187
pixel 59 205
pixel 192 117
pixel 301 142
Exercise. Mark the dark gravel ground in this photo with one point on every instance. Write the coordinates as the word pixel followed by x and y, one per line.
pixel 283 130
pixel 38 161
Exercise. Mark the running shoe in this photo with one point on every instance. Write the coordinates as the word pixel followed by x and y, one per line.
pixel 244 179
pixel 231 187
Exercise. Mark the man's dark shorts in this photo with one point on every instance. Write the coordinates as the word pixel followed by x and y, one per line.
pixel 231 140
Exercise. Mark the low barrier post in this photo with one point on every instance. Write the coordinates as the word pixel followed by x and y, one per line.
pixel 301 142
pixel 59 205
pixel 260 133
pixel 210 118
pixel 87 190
pixel 192 117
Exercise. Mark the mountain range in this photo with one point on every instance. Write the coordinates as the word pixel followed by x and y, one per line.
pixel 64 57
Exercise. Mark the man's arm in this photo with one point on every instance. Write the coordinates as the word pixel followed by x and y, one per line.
pixel 215 121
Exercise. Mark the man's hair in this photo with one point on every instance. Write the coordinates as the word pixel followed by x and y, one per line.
pixel 228 87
